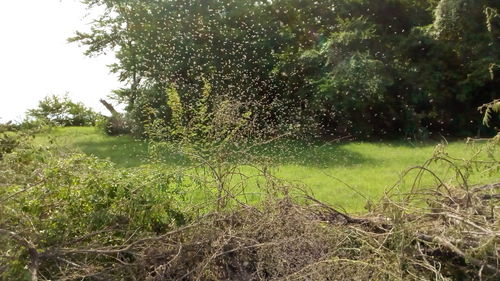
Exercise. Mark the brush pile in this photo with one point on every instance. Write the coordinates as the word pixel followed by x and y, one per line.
pixel 455 237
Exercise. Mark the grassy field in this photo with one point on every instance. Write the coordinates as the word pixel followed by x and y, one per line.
pixel 342 174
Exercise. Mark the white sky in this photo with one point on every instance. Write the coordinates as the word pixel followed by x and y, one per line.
pixel 36 60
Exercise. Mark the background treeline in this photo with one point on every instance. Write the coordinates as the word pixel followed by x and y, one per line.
pixel 366 68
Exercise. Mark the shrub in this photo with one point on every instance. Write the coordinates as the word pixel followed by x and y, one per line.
pixel 11 140
pixel 7 144
pixel 56 201
pixel 8 126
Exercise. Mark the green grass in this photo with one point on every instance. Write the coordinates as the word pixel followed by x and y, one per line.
pixel 362 170
pixel 326 169
pixel 124 151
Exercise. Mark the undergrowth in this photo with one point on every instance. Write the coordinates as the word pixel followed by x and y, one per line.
pixel 66 216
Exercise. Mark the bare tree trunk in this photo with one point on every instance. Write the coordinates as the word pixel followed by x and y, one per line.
pixel 109 107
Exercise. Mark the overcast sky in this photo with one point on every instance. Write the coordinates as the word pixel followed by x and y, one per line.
pixel 36 60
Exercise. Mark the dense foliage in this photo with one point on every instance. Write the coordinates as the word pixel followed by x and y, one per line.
pixel 56 199
pixel 364 68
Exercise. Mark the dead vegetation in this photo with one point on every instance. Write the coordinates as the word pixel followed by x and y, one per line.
pixel 445 231
pixel 454 237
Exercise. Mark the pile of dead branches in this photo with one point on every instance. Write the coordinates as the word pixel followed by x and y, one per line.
pixel 455 236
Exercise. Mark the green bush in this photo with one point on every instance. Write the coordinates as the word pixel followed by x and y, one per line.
pixel 56 200
pixel 8 127
pixel 7 144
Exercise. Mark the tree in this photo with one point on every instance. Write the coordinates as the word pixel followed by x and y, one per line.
pixel 60 110
pixel 408 67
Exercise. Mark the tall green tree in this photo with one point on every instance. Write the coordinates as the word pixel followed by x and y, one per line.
pixel 360 67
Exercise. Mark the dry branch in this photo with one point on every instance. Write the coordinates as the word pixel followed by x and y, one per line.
pixel 32 251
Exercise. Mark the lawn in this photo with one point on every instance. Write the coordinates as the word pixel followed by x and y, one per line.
pixel 342 174
pixel 124 151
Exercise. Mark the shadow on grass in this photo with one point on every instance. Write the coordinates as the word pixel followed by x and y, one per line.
pixel 313 154
pixel 127 152
pixel 123 151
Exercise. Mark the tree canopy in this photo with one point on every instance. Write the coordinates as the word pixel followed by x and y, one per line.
pixel 60 110
pixel 359 67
